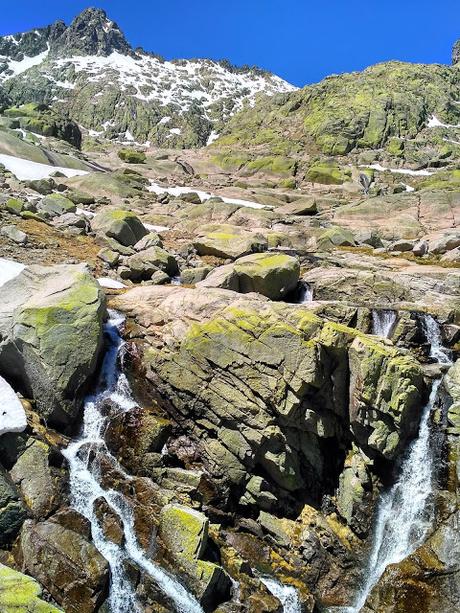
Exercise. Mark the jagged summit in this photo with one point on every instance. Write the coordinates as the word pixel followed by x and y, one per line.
pixel 90 71
pixel 90 33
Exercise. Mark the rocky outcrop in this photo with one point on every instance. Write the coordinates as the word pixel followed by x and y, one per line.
pixel 225 241
pixel 66 564
pixel 123 226
pixel 51 337
pixel 20 594
pixel 263 387
pixel 273 275
pixel 184 533
pixel 456 53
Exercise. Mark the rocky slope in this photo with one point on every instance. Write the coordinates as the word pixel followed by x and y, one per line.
pixel 89 70
pixel 214 362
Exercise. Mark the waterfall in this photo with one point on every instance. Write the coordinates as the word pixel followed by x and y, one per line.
pixel 286 594
pixel 83 456
pixel 433 336
pixel 305 293
pixel 383 322
pixel 406 511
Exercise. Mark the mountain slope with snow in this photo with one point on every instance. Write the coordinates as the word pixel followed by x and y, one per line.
pixel 90 71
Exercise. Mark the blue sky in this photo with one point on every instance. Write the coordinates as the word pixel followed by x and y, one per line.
pixel 301 40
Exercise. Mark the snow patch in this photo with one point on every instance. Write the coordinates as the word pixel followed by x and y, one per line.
pixel 18 67
pixel 12 414
pixel 26 170
pixel 9 270
pixel 152 228
pixel 434 122
pixel 178 191
pixel 109 283
pixel 401 171
pixel 176 131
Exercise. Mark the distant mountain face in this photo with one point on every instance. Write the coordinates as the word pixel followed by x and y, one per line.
pixel 89 70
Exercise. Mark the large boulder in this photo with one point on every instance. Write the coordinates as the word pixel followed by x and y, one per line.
pixel 66 564
pixel 271 274
pixel 55 205
pixel 184 532
pixel 124 226
pixel 51 336
pixel 229 242
pixel 21 594
pixel 144 264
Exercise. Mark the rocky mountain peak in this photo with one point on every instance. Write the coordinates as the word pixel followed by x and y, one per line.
pixel 92 32
pixel 456 53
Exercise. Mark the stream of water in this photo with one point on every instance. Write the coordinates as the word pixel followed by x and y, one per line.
pixel 286 594
pixel 85 486
pixel 405 512
pixel 383 322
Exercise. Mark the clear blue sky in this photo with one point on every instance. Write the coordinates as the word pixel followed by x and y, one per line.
pixel 301 40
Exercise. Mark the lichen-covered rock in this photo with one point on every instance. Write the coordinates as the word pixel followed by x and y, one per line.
pixel 132 156
pixel 124 226
pixel 184 532
pixel 66 564
pixel 262 387
pixel 55 205
pixel 144 264
pixel 386 393
pixel 51 336
pixel 273 274
pixel 36 480
pixel 21 594
pixel 229 242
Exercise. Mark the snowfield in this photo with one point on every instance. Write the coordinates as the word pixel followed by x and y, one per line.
pixel 26 170
pixel 178 191
pixel 12 414
pixel 9 270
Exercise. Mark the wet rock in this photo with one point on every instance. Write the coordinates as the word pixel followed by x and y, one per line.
pixel 66 564
pixel 12 510
pixel 35 479
pixel 184 532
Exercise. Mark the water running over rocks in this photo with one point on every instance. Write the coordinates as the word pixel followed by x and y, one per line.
pixel 83 456
pixel 406 511
pixel 383 322
pixel 286 594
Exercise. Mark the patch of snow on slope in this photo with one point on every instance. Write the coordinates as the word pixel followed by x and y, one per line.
pixel 26 170
pixel 12 414
pixel 9 270
pixel 401 171
pixel 17 67
pixel 177 82
pixel 178 191
pixel 109 283
pixel 434 122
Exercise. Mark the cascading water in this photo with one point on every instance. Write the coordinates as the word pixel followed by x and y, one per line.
pixel 286 594
pixel 383 322
pixel 406 511
pixel 305 293
pixel 83 456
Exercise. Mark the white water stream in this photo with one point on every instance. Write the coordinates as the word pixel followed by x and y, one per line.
pixel 305 294
pixel 383 322
pixel 405 512
pixel 85 486
pixel 286 594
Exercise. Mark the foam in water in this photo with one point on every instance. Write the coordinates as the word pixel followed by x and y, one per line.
pixel 383 322
pixel 286 594
pixel 405 512
pixel 83 456
pixel 306 293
